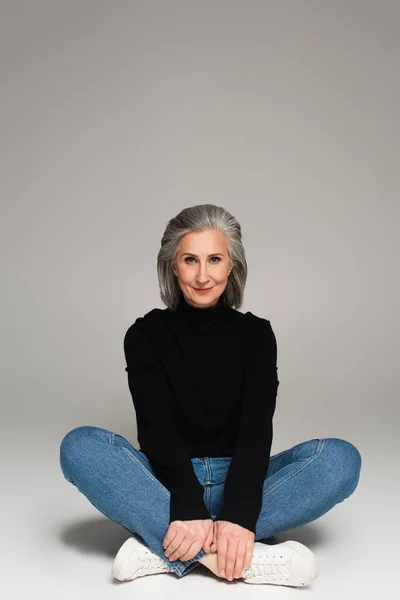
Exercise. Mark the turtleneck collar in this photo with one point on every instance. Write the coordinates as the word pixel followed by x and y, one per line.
pixel 200 313
pixel 202 319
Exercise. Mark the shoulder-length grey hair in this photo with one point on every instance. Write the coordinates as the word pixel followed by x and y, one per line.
pixel 200 218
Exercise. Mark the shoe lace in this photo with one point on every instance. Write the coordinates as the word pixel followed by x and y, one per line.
pixel 269 566
pixel 150 562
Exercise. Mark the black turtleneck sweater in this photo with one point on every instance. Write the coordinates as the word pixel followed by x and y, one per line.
pixel 204 383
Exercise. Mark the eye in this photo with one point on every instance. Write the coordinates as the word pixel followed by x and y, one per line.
pixel 218 258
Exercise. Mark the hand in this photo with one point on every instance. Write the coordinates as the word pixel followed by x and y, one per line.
pixel 235 546
pixel 185 539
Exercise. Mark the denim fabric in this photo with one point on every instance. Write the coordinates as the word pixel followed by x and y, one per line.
pixel 302 484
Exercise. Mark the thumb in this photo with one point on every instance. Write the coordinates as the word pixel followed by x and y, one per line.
pixel 206 546
pixel 214 545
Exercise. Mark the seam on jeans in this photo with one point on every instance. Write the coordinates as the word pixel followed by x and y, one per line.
pixel 277 455
pixel 111 438
pixel 180 568
pixel 320 445
pixel 207 494
pixel 139 464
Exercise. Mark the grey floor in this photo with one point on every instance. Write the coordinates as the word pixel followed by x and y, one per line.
pixel 56 544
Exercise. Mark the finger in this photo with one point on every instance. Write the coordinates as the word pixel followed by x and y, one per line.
pixel 174 545
pixel 170 535
pixel 214 545
pixel 194 548
pixel 179 551
pixel 182 549
pixel 208 542
pixel 240 556
pixel 249 554
pixel 230 558
pixel 221 558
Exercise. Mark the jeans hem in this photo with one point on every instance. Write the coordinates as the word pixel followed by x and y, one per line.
pixel 183 568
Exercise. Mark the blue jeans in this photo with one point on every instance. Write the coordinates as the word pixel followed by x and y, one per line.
pixel 301 484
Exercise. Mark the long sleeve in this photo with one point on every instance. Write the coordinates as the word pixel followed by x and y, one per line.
pixel 158 436
pixel 247 471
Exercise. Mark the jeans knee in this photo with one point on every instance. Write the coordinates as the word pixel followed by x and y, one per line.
pixel 346 461
pixel 72 437
pixel 355 462
pixel 69 448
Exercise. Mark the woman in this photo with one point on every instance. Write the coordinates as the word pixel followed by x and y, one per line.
pixel 203 378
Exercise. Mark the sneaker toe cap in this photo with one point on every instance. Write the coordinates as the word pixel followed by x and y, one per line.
pixel 304 564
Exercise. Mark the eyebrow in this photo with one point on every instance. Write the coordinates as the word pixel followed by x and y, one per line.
pixel 195 255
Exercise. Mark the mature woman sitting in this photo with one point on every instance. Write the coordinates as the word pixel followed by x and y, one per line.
pixel 203 488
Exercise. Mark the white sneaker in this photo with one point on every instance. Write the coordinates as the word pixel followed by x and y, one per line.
pixel 288 563
pixel 135 559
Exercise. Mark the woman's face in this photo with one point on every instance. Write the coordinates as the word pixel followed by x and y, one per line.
pixel 202 262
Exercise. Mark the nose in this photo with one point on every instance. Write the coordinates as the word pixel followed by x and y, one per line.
pixel 202 276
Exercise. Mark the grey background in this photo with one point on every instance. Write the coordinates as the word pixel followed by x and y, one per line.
pixel 114 117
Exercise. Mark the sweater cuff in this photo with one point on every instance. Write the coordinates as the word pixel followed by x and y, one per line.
pixel 185 509
pixel 243 517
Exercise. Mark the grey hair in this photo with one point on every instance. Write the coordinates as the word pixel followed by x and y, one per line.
pixel 200 218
